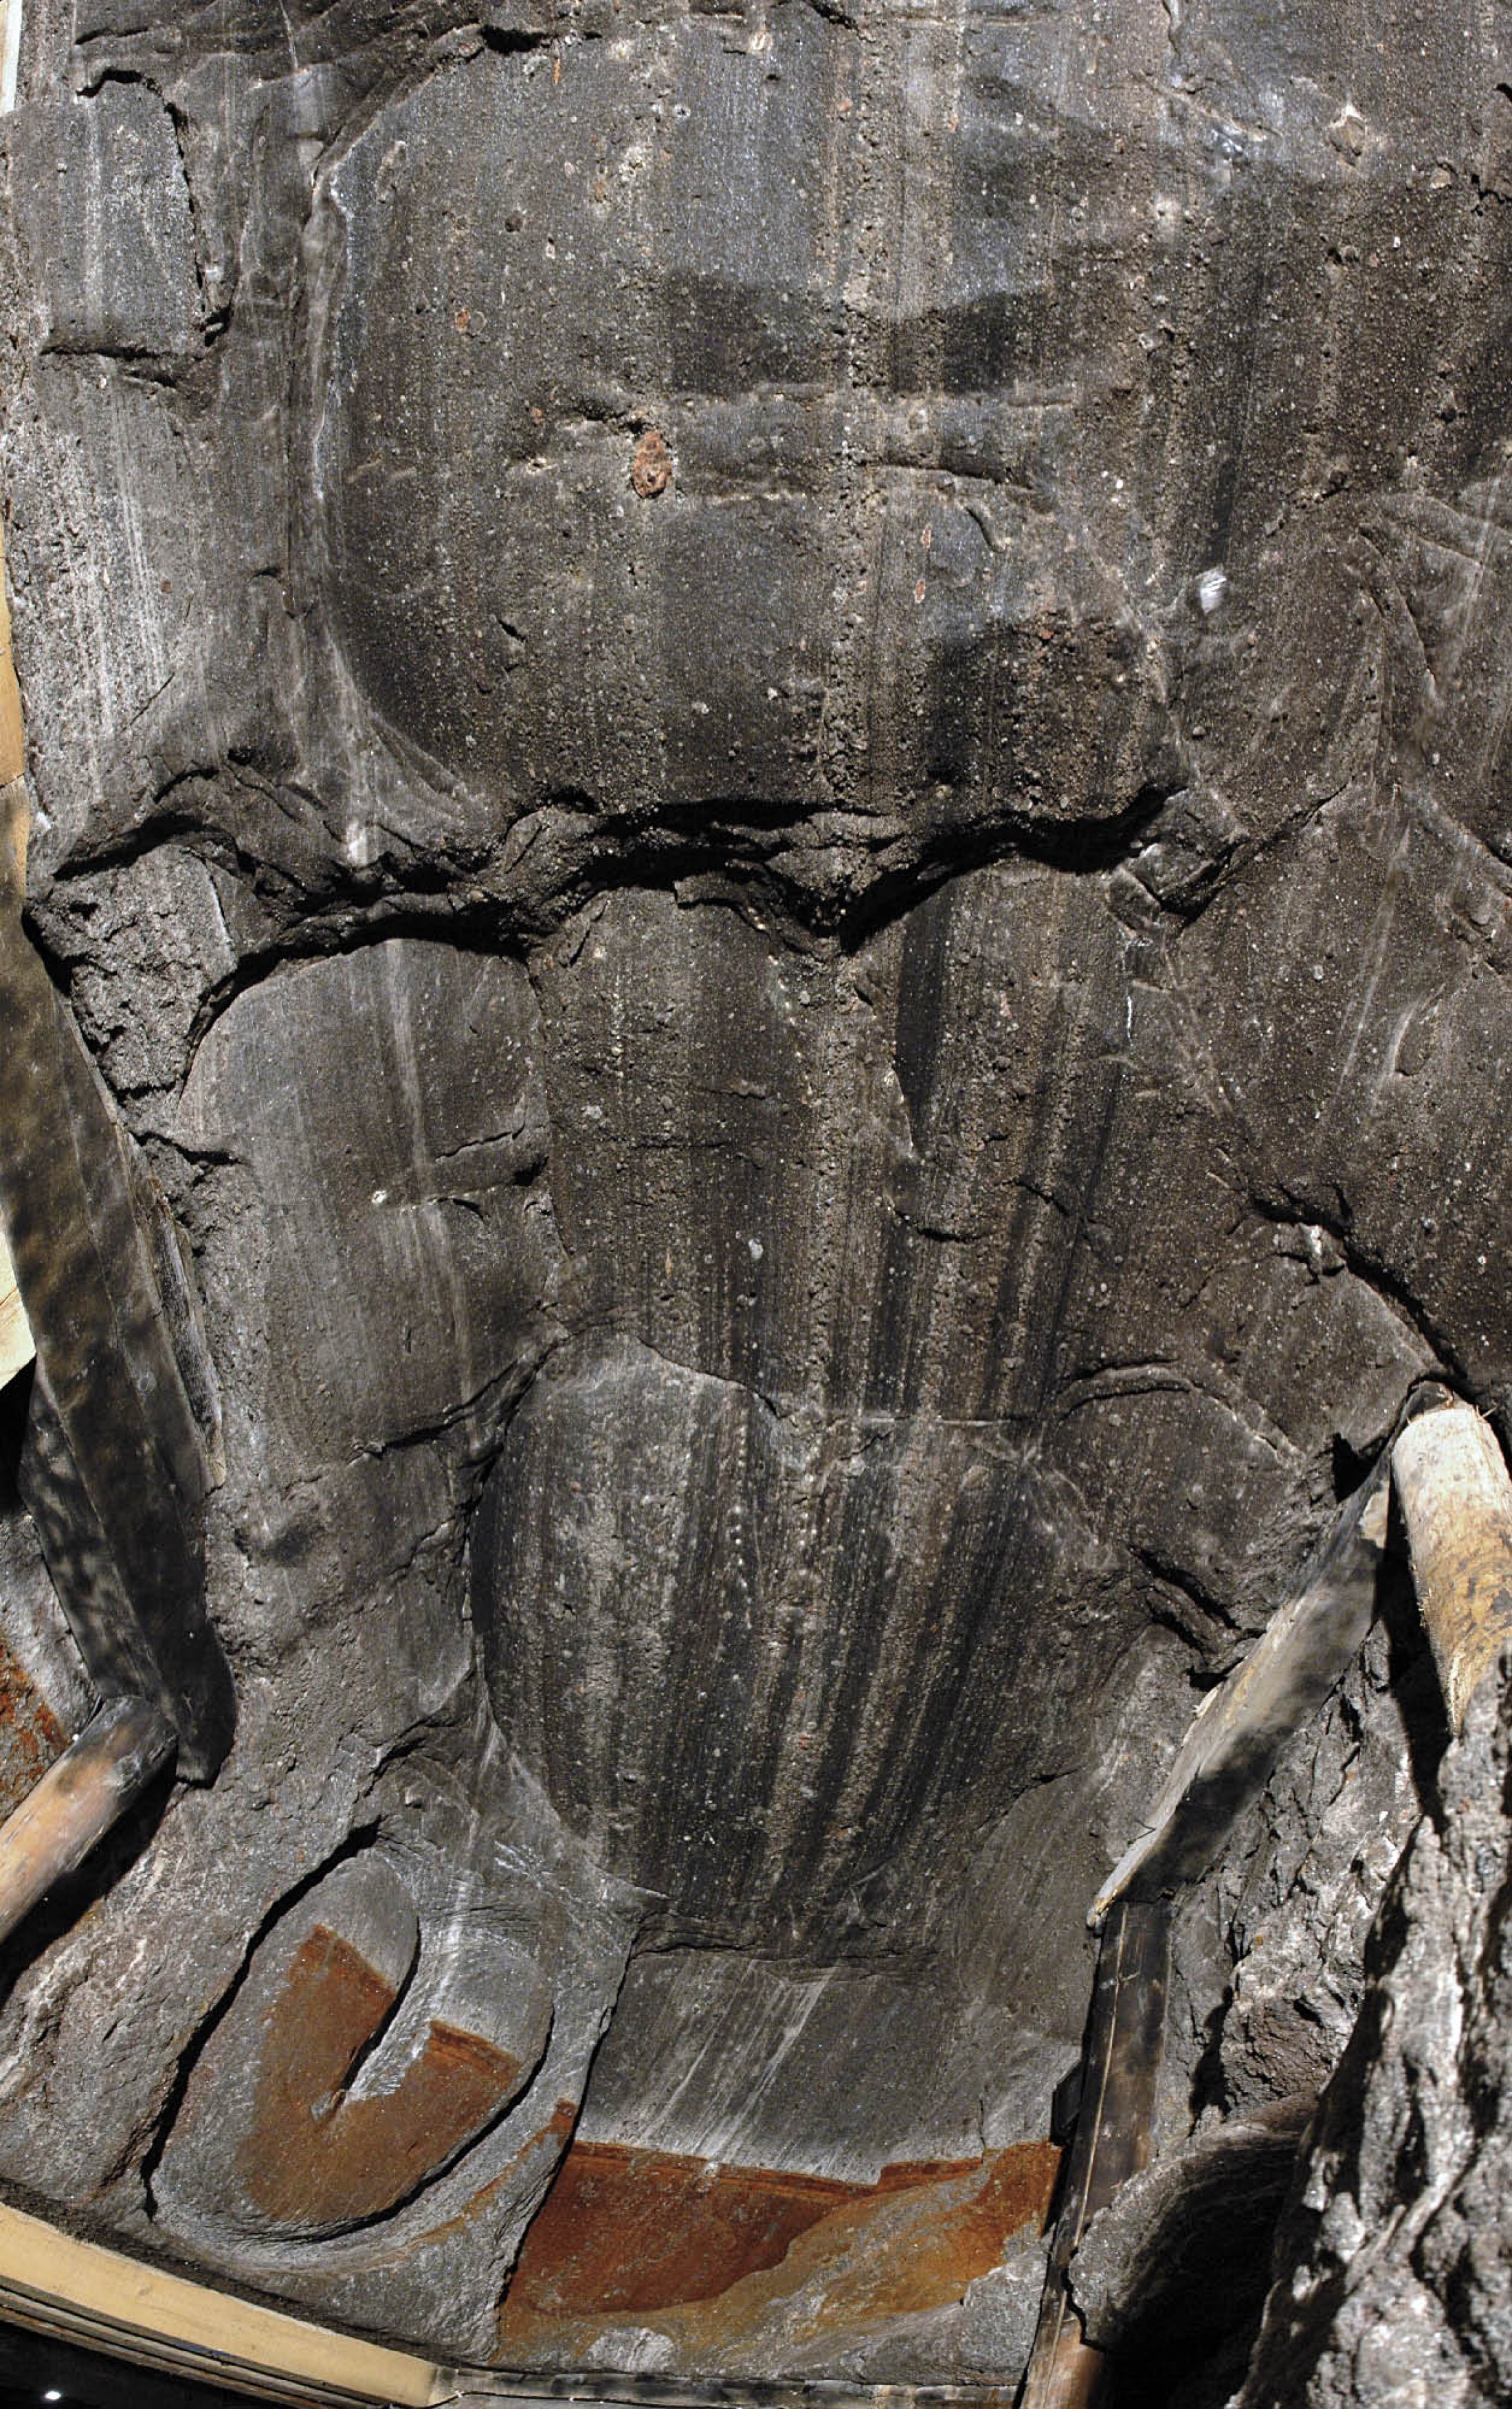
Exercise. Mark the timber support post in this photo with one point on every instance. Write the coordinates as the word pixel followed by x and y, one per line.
pixel 77 1800
pixel 1456 1499
pixel 1121 2065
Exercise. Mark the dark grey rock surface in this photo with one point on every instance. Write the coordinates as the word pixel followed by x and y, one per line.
pixel 1393 2259
pixel 769 760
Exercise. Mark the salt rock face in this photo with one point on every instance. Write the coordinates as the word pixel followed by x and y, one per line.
pixel 863 602
pixel 768 752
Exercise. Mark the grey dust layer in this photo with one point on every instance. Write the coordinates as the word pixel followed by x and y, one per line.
pixel 827 1077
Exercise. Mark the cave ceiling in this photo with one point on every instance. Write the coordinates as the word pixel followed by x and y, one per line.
pixel 769 764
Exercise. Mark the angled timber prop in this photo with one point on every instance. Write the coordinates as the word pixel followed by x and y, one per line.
pixel 121 1443
pixel 1452 1485
pixel 1122 2067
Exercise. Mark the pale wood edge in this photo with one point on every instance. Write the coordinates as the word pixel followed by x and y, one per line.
pixel 16 1347
pixel 136 2312
pixel 12 734
pixel 1219 1722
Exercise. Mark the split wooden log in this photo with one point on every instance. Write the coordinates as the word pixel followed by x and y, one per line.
pixel 77 1800
pixel 12 734
pixel 1239 1729
pixel 16 1349
pixel 1121 2066
pixel 1456 1499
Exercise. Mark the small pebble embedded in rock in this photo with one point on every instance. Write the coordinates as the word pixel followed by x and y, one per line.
pixel 651 470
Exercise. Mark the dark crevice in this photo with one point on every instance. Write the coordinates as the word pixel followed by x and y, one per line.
pixel 1349 1467
pixel 508 41
pixel 834 12
pixel 469 931
pixel 92 87
pixel 164 825
pixel 15 1407
pixel 1212 1609
pixel 1415 1681
pixel 700 843
pixel 492 1403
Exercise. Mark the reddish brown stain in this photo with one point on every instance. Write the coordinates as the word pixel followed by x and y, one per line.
pixel 941 2252
pixel 31 1735
pixel 706 2253
pixel 311 2156
pixel 638 2230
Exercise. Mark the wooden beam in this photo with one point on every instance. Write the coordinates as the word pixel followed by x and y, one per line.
pixel 1125 2039
pixel 1239 1729
pixel 1456 1499
pixel 16 1344
pixel 9 52
pixel 12 736
pixel 76 2292
pixel 79 1799
pixel 16 1347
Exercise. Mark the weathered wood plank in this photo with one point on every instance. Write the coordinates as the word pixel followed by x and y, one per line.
pixel 1125 2037
pixel 128 1564
pixel 12 734
pixel 1241 1726
pixel 56 2285
pixel 16 1349
pixel 77 1800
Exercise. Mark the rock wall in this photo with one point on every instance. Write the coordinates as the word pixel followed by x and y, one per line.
pixel 767 758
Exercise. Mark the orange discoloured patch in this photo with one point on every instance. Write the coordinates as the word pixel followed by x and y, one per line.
pixel 636 2229
pixel 705 2254
pixel 31 1735
pixel 957 2238
pixel 311 2156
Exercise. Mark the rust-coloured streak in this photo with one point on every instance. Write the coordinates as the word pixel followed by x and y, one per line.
pixel 707 2254
pixel 638 2230
pixel 314 2158
pixel 31 1735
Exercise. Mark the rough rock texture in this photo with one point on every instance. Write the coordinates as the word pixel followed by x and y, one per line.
pixel 1394 2259
pixel 768 761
